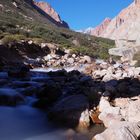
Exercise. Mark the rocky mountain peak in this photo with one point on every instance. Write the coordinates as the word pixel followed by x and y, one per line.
pixel 97 31
pixel 49 10
pixel 123 27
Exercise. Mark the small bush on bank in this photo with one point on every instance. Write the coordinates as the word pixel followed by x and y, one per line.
pixel 137 57
pixel 12 38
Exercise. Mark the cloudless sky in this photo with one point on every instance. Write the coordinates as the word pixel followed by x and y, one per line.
pixel 81 14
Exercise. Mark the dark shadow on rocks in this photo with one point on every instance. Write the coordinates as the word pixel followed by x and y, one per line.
pixel 68 94
pixel 65 95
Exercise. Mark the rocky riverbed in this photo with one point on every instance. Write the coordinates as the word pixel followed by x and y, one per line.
pixel 95 98
pixel 100 95
pixel 27 97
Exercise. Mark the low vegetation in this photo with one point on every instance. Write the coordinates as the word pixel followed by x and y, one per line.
pixel 137 57
pixel 26 23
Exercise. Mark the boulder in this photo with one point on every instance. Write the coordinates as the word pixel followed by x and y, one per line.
pixel 122 133
pixel 107 108
pixel 51 92
pixel 108 113
pixel 87 59
pixel 70 109
pixel 134 111
pixel 84 121
pixel 109 118
pixel 70 60
pixel 107 77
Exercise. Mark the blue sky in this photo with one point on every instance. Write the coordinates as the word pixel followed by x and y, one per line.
pixel 81 14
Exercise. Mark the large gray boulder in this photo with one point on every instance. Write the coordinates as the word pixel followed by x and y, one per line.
pixel 69 109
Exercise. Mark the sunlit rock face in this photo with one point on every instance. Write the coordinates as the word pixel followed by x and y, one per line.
pixel 49 10
pixel 137 1
pixel 97 31
pixel 126 24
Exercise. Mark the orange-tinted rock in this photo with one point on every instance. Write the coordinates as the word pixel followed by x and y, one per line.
pixel 94 117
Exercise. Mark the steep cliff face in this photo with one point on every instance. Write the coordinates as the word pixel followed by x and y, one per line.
pixel 49 10
pixel 125 26
pixel 46 8
pixel 97 31
pixel 43 9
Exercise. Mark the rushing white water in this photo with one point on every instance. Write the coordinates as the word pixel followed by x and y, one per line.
pixel 68 69
pixel 27 123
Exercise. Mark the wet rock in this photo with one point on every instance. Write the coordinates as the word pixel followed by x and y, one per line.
pixel 19 72
pixel 3 75
pixel 94 115
pixel 84 121
pixel 68 110
pixel 10 97
pixel 41 103
pixel 29 91
pixel 51 92
pixel 40 79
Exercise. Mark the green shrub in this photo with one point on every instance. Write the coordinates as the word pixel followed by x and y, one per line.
pixel 137 57
pixel 12 38
pixel 38 40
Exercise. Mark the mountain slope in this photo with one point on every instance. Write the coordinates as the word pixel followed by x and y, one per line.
pixel 22 20
pixel 45 7
pixel 32 11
